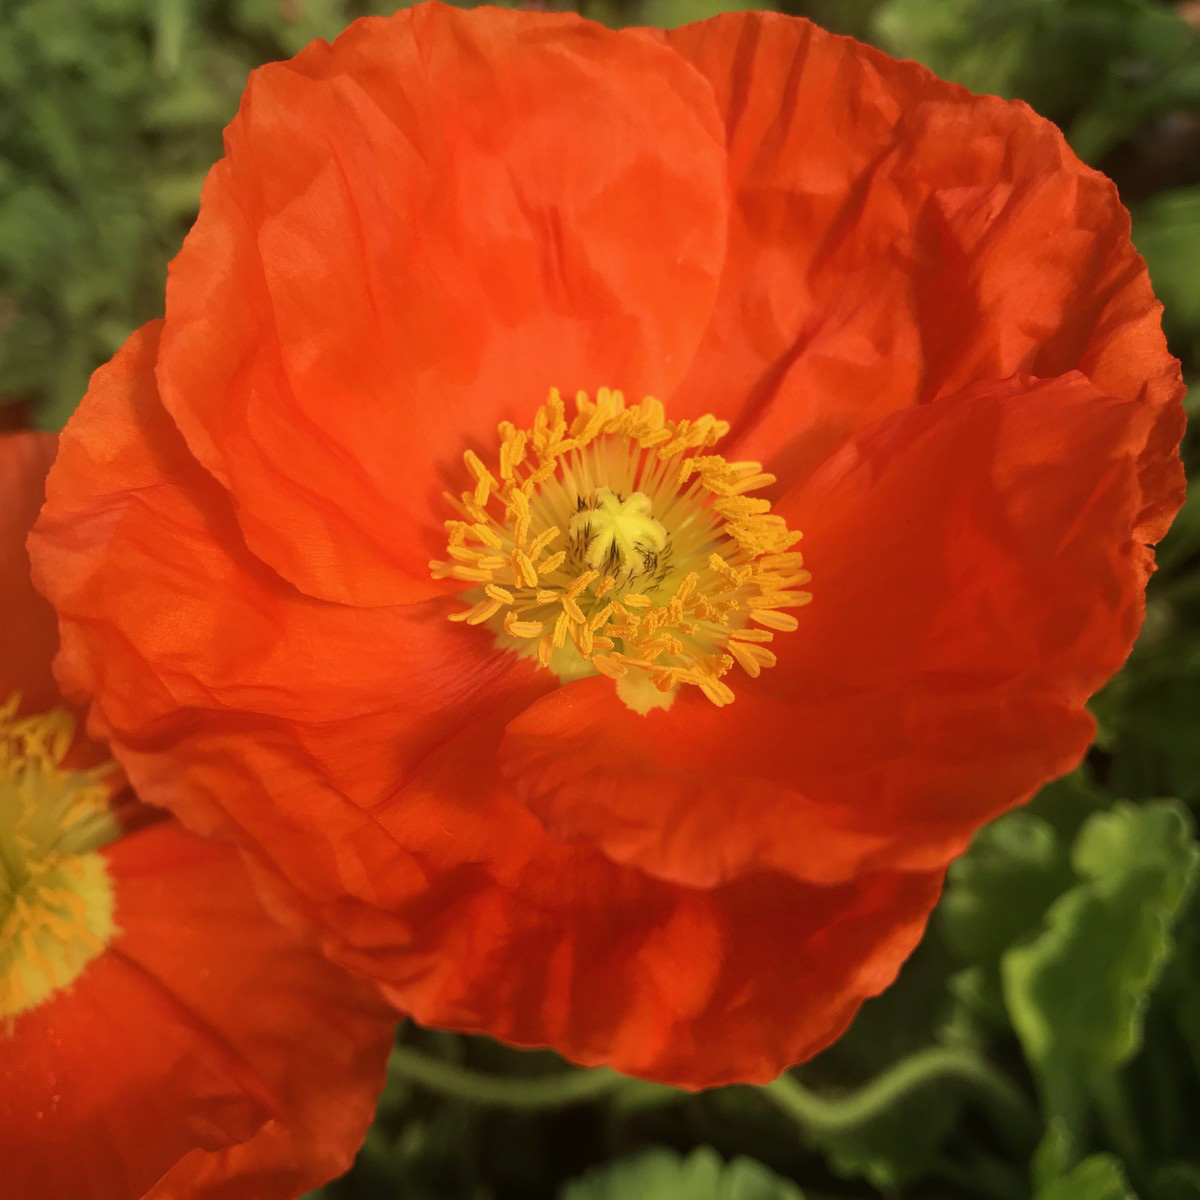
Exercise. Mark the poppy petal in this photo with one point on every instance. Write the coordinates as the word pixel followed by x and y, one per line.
pixel 894 239
pixel 210 658
pixel 197 621
pixel 536 862
pixel 471 918
pixel 549 944
pixel 182 1040
pixel 975 579
pixel 449 893
pixel 335 340
pixel 31 635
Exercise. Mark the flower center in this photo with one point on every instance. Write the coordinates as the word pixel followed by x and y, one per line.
pixel 56 899
pixel 612 545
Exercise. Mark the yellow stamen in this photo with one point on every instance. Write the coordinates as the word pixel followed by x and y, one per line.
pixel 56 898
pixel 667 572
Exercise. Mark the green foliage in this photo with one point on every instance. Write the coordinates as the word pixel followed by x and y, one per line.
pixel 110 115
pixel 701 1176
pixel 896 1143
pixel 1101 68
pixel 1097 1178
pixel 1167 232
pixel 997 892
pixel 1077 991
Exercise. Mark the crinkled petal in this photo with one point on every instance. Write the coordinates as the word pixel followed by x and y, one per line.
pixel 975 579
pixel 377 812
pixel 207 1043
pixel 894 239
pixel 548 944
pixel 701 895
pixel 139 541
pixel 318 711
pixel 455 899
pixel 415 233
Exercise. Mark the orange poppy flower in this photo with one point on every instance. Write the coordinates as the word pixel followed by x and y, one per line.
pixel 522 703
pixel 160 1034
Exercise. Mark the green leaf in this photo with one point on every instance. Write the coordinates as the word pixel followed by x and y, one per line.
pixel 1167 234
pixel 941 36
pixel 1181 988
pixel 897 1147
pixel 1068 802
pixel 703 1175
pixel 1150 712
pixel 1105 66
pixel 1076 992
pixel 1175 1181
pixel 902 1142
pixel 1000 888
pixel 670 14
pixel 998 893
pixel 1100 1177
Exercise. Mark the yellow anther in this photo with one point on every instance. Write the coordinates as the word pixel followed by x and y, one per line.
pixel 561 625
pixel 56 897
pixel 487 536
pixel 583 638
pixel 751 657
pixel 543 540
pixel 521 629
pixel 602 616
pixel 471 574
pixel 687 586
pixel 779 600
pixel 498 593
pixel 476 467
pixel 478 613
pixel 609 666
pixel 783 622
pixel 523 570
pixel 668 569
pixel 578 584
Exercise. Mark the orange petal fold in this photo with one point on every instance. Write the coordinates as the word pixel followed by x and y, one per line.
pixel 938 674
pixel 894 239
pixel 206 1051
pixel 387 243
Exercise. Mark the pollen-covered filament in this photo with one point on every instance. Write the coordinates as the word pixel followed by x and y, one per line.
pixel 613 544
pixel 56 898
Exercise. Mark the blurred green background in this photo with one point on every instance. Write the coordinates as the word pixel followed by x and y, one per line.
pixel 1045 1039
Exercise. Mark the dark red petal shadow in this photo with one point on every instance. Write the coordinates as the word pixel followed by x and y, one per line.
pixel 30 630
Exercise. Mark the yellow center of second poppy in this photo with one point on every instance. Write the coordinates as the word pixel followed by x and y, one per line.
pixel 613 544
pixel 56 898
